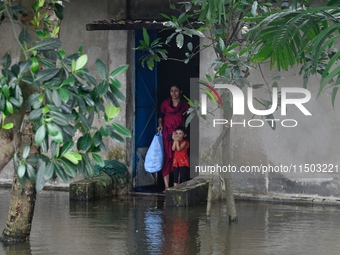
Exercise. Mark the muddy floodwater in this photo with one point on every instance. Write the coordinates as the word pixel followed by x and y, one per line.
pixel 142 225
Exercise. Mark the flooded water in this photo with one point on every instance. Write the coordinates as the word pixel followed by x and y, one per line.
pixel 142 225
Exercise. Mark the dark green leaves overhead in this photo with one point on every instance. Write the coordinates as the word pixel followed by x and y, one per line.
pixel 300 36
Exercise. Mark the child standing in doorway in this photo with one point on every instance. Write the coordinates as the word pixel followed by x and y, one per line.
pixel 181 159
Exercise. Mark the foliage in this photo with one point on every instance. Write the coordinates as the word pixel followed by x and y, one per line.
pixel 65 101
pixel 154 51
pixel 302 35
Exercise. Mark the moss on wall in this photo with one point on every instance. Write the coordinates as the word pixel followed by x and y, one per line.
pixel 117 154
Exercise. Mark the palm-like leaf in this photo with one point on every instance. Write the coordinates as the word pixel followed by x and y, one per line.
pixel 298 36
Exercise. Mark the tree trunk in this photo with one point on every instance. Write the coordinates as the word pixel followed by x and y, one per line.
pixel 209 199
pixel 21 209
pixel 231 207
pixel 20 214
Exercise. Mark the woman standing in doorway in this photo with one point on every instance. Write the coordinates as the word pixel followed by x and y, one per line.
pixel 172 114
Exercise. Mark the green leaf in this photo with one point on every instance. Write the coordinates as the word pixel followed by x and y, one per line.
pixel 5 91
pixel 84 143
pixel 9 107
pixel 104 131
pixel 98 159
pixel 64 95
pixel 8 125
pixel 49 171
pixel 24 67
pixel 2 103
pixel 97 138
pixel 55 132
pixel 179 40
pixel 6 61
pixel 56 98
pixel 26 152
pixel 69 168
pixel 32 99
pixel 69 81
pixel 102 88
pixel 60 173
pixel 115 82
pixel 31 173
pixel 47 44
pixel 111 112
pixel 189 118
pixel 17 103
pixel 59 11
pixel 190 47
pixel 40 135
pixel 146 37
pixel 81 62
pixel 67 147
pixel 54 149
pixel 35 114
pixel 119 70
pixel 45 75
pixel 117 137
pixel 24 36
pixel 254 9
pixel 85 126
pixel 40 183
pixel 72 156
pixel 61 119
pixel 21 170
pixel 87 76
pixel 121 129
pixel 101 69
pixel 117 94
pixel 32 160
pixel 88 168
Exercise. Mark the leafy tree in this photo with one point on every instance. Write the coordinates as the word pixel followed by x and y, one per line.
pixel 61 98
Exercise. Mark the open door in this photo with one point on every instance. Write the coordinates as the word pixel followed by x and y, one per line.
pixel 151 88
pixel 145 115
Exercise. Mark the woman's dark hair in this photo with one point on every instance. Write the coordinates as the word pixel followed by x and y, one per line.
pixel 182 128
pixel 177 86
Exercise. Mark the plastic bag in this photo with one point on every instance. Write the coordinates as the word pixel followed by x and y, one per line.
pixel 155 155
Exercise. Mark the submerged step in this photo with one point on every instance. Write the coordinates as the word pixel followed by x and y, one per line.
pixel 189 193
pixel 97 187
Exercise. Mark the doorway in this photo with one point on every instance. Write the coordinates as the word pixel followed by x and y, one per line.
pixel 151 88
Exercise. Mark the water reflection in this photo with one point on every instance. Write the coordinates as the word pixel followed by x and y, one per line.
pixel 142 225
